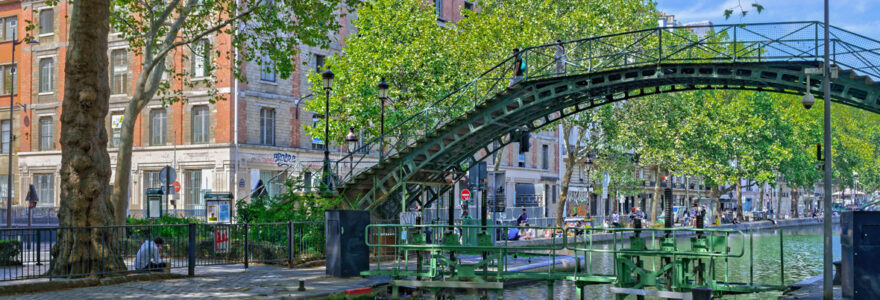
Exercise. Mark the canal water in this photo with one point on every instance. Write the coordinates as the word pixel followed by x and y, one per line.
pixel 802 255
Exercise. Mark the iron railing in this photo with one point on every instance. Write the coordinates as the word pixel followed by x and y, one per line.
pixel 27 253
pixel 760 42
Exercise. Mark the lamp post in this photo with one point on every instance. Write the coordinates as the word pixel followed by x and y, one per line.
pixel 352 140
pixel 11 100
pixel 856 189
pixel 807 101
pixel 327 77
pixel 383 95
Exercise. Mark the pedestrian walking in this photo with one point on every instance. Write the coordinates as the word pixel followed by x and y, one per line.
pixel 519 67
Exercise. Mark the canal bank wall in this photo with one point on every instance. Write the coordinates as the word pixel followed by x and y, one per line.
pixel 744 227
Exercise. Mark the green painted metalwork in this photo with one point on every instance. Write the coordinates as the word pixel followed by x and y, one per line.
pixel 664 261
pixel 475 120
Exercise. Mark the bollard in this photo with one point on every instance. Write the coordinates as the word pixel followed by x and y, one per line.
pixel 246 254
pixel 191 251
pixel 701 293
pixel 302 285
pixel 290 245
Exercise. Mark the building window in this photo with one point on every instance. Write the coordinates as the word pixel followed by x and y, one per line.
pixel 9 28
pixel 46 133
pixel 4 181
pixel 545 153
pixel 115 129
pixel 273 181
pixel 5 135
pixel 319 62
pixel 47 75
pixel 438 4
pixel 267 126
pixel 201 122
pixel 8 84
pixel 193 191
pixel 201 58
pixel 317 143
pixel 151 180
pixel 157 127
pixel 45 185
pixel 267 72
pixel 47 21
pixel 522 160
pixel 119 65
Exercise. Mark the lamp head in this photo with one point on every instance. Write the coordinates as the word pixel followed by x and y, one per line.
pixel 383 89
pixel 327 76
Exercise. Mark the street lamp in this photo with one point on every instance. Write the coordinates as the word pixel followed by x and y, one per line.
pixel 11 100
pixel 808 100
pixel 383 95
pixel 352 140
pixel 327 77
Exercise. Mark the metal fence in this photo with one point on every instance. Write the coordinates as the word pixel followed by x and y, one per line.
pixel 27 253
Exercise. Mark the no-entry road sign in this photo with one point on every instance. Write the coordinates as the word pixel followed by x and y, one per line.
pixel 465 195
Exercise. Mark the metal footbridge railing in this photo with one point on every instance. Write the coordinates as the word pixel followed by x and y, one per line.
pixel 661 262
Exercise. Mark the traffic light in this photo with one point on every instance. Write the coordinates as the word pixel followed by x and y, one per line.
pixel 524 142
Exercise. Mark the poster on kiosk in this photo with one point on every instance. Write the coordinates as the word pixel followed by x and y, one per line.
pixel 218 211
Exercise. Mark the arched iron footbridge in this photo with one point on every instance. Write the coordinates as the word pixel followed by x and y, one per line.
pixel 446 138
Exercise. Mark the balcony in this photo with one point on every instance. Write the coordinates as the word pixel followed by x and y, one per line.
pixel 528 200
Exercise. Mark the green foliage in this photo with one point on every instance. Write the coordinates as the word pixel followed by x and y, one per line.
pixel 400 40
pixel 9 252
pixel 291 205
pixel 163 220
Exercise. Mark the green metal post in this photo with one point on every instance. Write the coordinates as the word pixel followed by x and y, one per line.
pixel 550 289
pixel 781 260
pixel 751 258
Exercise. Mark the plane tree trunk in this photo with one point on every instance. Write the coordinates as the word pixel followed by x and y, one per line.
pixel 85 163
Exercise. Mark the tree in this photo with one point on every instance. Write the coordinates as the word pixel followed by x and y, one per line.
pixel 266 32
pixel 85 163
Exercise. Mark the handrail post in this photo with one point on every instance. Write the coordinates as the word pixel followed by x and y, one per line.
pixel 290 252
pixel 191 251
pixel 734 43
pixel 246 254
pixel 781 260
pixel 816 40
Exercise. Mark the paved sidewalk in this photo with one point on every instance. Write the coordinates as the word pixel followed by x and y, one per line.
pixel 223 282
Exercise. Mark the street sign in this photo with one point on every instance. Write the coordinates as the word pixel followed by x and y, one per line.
pixel 465 195
pixel 165 173
pixel 176 186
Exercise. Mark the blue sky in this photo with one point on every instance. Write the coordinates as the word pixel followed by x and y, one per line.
pixel 859 16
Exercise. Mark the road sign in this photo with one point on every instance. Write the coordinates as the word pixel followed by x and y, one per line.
pixel 165 173
pixel 176 186
pixel 465 195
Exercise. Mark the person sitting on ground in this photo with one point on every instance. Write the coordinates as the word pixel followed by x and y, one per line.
pixel 148 257
pixel 528 233
pixel 513 234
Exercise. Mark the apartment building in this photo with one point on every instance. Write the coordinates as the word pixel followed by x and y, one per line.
pixel 255 133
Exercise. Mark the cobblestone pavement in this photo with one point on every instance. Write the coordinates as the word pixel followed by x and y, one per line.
pixel 220 282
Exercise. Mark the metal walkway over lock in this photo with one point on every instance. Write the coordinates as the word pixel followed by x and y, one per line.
pixel 650 262
pixel 443 140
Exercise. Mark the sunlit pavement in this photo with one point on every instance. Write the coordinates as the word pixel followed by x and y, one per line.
pixel 224 282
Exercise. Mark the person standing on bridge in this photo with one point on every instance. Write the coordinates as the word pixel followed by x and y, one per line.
pixel 519 67
pixel 560 57
pixel 523 218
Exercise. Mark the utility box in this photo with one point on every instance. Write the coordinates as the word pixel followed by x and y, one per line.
pixel 345 236
pixel 154 203
pixel 860 244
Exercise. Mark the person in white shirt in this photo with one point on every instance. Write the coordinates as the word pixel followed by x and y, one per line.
pixel 148 258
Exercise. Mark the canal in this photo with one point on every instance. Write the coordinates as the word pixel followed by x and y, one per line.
pixel 802 255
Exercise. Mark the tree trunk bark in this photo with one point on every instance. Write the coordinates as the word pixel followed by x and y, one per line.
pixel 123 162
pixel 85 163
pixel 563 195
pixel 656 200
pixel 794 202
pixel 739 199
pixel 761 204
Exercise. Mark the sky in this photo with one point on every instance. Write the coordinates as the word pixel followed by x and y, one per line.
pixel 859 16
